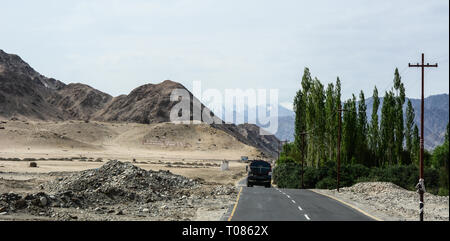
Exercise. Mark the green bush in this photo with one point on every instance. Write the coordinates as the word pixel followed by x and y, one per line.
pixel 287 175
pixel 443 192
pixel 310 177
pixel 327 183
pixel 285 159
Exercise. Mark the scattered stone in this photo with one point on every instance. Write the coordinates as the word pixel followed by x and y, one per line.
pixel 43 201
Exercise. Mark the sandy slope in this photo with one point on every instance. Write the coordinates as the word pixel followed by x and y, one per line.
pixel 162 141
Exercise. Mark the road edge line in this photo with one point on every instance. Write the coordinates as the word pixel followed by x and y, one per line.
pixel 235 205
pixel 238 181
pixel 349 205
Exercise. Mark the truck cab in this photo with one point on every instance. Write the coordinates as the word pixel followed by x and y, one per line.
pixel 259 172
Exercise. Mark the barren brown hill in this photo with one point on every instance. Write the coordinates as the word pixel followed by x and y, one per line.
pixel 12 63
pixel 79 101
pixel 24 93
pixel 22 97
pixel 146 104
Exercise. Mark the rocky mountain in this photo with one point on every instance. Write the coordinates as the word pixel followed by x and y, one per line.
pixel 21 95
pixel 24 93
pixel 148 103
pixel 11 63
pixel 286 125
pixel 79 101
pixel 436 118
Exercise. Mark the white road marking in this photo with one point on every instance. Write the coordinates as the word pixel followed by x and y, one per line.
pixel 306 216
pixel 293 201
pixel 300 208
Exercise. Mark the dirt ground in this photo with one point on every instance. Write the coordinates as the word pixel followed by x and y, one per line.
pixel 18 177
pixel 62 148
pixel 124 141
pixel 208 171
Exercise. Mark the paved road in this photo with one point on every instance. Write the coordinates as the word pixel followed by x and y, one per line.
pixel 273 204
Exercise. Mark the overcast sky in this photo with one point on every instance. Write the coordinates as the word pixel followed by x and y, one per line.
pixel 115 46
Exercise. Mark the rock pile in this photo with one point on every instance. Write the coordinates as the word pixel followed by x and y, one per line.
pixel 373 187
pixel 118 182
pixel 394 202
pixel 33 203
pixel 121 191
pixel 114 183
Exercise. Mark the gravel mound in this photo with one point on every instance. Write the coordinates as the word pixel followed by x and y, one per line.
pixel 373 187
pixel 121 191
pixel 394 202
pixel 118 182
pixel 114 183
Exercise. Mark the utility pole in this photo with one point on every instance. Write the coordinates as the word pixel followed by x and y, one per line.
pixel 421 185
pixel 339 146
pixel 280 145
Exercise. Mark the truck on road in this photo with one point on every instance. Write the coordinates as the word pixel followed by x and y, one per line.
pixel 259 173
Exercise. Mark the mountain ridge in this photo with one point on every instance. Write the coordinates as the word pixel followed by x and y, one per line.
pixel 24 93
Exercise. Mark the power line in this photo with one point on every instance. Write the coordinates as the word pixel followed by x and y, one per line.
pixel 390 85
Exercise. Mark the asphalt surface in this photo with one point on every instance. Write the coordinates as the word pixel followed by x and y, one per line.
pixel 273 204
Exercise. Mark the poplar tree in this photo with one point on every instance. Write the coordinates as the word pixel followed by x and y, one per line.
pixel 398 120
pixel 373 129
pixel 349 132
pixel 318 101
pixel 409 127
pixel 387 129
pixel 305 114
pixel 362 130
pixel 330 115
pixel 415 149
pixel 300 124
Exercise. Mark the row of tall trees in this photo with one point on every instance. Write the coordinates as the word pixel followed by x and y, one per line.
pixel 382 141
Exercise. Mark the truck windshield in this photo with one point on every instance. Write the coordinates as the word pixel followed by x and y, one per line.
pixel 260 167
